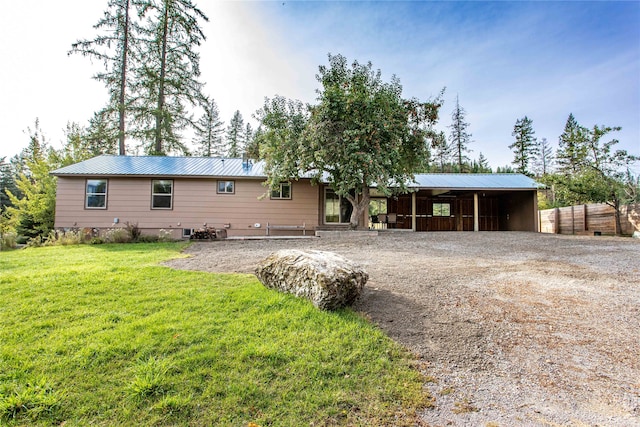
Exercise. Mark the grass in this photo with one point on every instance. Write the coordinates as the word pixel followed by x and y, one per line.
pixel 104 335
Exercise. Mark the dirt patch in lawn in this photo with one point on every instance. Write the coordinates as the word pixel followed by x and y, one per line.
pixel 513 328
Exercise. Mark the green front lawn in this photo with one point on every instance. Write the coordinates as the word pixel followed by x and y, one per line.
pixel 104 335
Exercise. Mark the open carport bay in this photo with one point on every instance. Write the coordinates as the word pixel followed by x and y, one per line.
pixel 512 328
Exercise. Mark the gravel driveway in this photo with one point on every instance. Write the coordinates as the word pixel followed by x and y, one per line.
pixel 513 328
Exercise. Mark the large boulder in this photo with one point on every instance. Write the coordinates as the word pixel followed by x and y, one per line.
pixel 328 280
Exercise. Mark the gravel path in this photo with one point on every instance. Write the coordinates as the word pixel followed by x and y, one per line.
pixel 513 328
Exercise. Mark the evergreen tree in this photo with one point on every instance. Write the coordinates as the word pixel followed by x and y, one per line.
pixel 572 146
pixel 101 134
pixel 247 138
pixel 33 207
pixel 252 149
pixel 481 165
pixel 166 80
pixel 114 47
pixel 7 183
pixel 459 136
pixel 208 131
pixel 235 135
pixel 525 147
pixel 441 155
pixel 544 160
pixel 505 169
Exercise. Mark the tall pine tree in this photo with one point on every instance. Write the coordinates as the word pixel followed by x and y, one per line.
pixel 235 137
pixel 525 147
pixel 544 160
pixel 459 136
pixel 572 146
pixel 114 47
pixel 167 80
pixel 208 131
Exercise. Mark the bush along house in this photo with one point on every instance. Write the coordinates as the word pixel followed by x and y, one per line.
pixel 182 195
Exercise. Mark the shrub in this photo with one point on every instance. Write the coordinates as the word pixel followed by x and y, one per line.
pixel 148 238
pixel 8 240
pixel 64 238
pixel 133 230
pixel 165 235
pixel 117 235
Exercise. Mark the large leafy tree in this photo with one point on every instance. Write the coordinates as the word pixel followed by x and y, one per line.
pixel 459 136
pixel 361 133
pixel 525 147
pixel 208 131
pixel 166 81
pixel 114 47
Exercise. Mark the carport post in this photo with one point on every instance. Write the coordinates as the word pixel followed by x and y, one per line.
pixel 413 211
pixel 476 210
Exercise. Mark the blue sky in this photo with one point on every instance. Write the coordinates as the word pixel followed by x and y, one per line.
pixel 504 60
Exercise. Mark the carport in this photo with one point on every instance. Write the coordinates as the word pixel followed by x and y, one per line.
pixel 463 202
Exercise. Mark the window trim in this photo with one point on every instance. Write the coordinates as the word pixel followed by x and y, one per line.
pixel 279 191
pixel 153 194
pixel 87 194
pixel 233 184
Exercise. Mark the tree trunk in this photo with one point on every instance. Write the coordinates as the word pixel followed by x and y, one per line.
pixel 617 217
pixel 359 207
pixel 123 81
pixel 163 65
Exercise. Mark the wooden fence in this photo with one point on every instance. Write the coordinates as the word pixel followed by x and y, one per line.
pixel 589 219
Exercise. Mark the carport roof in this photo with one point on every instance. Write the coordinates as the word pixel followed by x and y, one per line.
pixel 205 167
pixel 468 181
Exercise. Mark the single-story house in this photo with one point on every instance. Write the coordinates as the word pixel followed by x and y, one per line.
pixel 180 194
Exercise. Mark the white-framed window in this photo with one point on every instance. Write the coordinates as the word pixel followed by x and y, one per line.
pixel 96 194
pixel 186 232
pixel 442 209
pixel 162 194
pixel 226 187
pixel 283 192
pixel 337 209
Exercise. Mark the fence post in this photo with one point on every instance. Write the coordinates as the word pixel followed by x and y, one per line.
pixel 556 221
pixel 573 221
pixel 585 209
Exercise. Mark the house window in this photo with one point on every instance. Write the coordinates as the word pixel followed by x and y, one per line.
pixel 336 209
pixel 226 187
pixel 442 209
pixel 282 192
pixel 96 194
pixel 162 194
